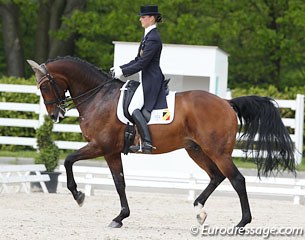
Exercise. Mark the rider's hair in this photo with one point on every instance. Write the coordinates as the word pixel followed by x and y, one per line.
pixel 158 18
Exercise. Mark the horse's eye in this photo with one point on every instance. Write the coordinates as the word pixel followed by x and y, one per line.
pixel 44 88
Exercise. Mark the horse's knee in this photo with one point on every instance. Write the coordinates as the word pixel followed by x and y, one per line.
pixel 68 162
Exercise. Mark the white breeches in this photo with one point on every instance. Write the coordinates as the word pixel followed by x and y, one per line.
pixel 137 100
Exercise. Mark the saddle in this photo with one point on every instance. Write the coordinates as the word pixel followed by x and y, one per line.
pixel 130 89
pixel 130 131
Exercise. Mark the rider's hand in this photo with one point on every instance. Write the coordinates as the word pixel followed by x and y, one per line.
pixel 117 72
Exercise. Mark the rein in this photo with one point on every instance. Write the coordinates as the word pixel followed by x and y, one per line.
pixel 66 103
pixel 93 91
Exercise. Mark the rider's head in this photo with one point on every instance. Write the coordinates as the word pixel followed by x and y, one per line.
pixel 149 15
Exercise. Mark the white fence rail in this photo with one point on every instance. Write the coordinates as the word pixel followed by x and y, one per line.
pixel 295 123
pixel 22 176
pixel 92 178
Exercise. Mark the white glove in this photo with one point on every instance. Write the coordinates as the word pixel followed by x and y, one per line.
pixel 117 72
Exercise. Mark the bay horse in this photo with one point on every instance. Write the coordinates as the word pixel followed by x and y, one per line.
pixel 204 125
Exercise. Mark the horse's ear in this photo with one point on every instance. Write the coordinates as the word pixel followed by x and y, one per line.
pixel 36 67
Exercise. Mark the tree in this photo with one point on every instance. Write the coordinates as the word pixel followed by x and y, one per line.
pixel 9 13
pixel 21 19
pixel 265 38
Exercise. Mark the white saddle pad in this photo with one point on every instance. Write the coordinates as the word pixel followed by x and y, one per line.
pixel 159 116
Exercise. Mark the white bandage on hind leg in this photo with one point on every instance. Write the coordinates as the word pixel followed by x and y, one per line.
pixel 201 215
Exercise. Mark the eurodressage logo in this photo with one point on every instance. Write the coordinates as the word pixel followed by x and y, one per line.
pixel 264 232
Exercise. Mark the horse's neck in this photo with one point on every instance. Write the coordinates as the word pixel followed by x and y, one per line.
pixel 104 93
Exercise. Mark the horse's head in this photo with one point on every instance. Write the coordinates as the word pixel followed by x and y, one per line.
pixel 52 91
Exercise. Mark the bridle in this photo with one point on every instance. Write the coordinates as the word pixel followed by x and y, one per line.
pixel 65 103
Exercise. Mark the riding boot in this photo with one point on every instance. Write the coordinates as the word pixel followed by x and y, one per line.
pixel 143 131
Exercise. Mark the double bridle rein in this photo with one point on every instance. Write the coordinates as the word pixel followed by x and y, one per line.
pixel 66 103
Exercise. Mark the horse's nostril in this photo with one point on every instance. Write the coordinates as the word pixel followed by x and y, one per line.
pixel 52 116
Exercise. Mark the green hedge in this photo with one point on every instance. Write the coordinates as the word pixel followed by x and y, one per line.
pixel 27 132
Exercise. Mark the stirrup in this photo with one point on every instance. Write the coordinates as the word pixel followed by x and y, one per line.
pixel 145 148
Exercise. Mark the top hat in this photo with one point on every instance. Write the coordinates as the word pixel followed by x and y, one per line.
pixel 149 10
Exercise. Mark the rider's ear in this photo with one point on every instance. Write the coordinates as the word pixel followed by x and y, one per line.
pixel 36 67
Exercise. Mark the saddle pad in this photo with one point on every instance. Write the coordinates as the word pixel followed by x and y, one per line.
pixel 159 116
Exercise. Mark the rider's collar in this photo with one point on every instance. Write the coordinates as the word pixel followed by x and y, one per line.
pixel 148 29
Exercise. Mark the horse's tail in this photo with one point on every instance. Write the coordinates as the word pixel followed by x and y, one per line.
pixel 273 148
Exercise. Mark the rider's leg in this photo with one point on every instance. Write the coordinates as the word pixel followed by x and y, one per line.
pixel 137 101
pixel 144 132
pixel 134 110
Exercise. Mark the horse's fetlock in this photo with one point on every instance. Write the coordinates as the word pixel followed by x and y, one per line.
pixel 125 212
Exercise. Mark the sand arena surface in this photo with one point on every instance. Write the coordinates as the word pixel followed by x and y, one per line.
pixel 153 216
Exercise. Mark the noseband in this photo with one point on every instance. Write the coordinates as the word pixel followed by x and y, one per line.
pixel 59 101
pixel 66 102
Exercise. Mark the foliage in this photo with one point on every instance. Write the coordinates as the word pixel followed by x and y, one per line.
pixel 17 97
pixel 14 80
pixel 48 151
pixel 24 131
pixel 265 39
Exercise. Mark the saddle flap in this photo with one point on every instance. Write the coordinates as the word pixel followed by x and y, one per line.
pixel 129 89
pixel 159 116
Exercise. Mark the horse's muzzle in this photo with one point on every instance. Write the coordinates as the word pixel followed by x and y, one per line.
pixel 58 115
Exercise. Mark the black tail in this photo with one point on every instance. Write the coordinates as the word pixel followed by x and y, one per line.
pixel 273 149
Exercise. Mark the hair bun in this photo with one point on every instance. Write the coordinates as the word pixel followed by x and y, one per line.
pixel 159 18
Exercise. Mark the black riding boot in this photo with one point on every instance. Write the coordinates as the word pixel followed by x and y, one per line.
pixel 143 131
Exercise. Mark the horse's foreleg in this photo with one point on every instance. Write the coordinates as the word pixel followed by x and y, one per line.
pixel 116 168
pixel 87 152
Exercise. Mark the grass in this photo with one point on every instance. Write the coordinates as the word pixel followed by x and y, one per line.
pixel 33 154
pixel 18 154
pixel 240 163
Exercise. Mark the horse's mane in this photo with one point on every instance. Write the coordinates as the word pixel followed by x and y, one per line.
pixel 83 62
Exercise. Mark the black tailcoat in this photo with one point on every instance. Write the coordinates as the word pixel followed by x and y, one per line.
pixel 148 61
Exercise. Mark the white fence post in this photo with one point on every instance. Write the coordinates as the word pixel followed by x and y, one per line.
pixel 299 128
pixel 41 111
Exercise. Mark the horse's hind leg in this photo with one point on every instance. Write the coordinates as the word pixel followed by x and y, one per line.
pixel 218 171
pixel 216 177
pixel 229 170
pixel 239 184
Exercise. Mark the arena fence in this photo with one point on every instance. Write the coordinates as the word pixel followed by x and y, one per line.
pixel 90 179
pixel 296 123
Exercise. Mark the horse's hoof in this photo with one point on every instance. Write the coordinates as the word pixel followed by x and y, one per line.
pixel 80 199
pixel 201 217
pixel 115 224
pixel 201 214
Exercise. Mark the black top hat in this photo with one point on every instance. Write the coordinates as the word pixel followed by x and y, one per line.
pixel 149 10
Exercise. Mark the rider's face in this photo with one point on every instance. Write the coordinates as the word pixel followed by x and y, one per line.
pixel 147 21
